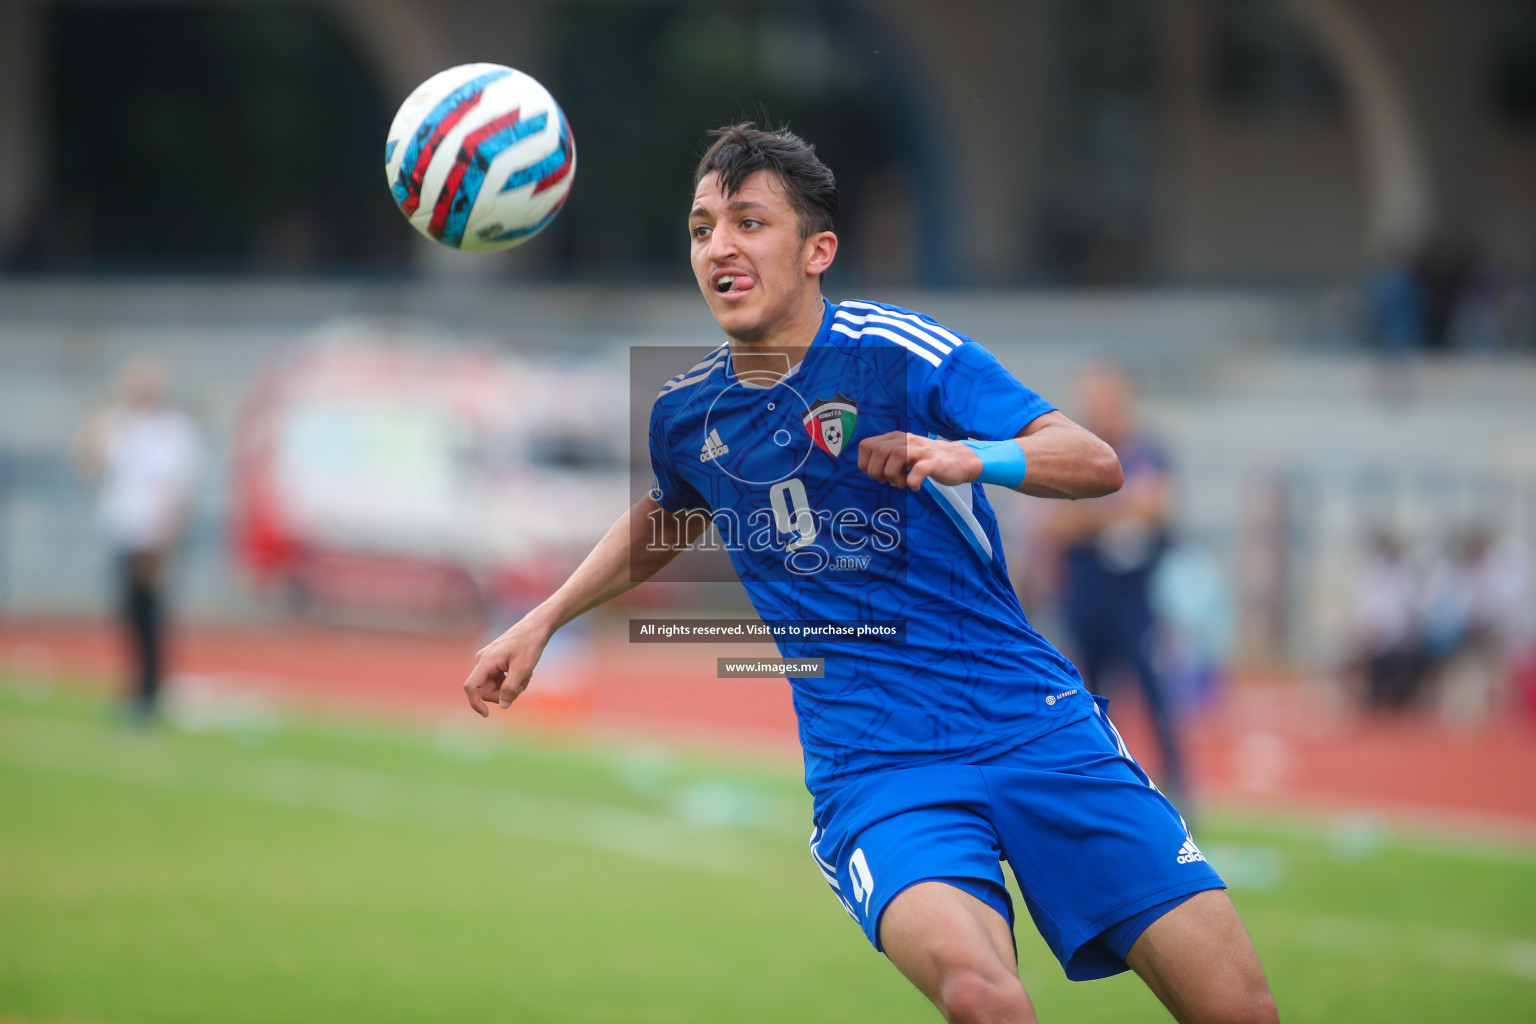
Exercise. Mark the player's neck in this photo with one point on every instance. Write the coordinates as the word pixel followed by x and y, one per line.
pixel 773 355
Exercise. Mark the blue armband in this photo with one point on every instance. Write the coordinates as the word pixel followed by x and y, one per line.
pixel 1002 462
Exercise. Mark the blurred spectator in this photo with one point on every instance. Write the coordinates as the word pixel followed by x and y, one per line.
pixel 1445 267
pixel 1452 633
pixel 1388 650
pixel 1443 297
pixel 1112 547
pixel 144 451
pixel 1478 321
pixel 1476 625
pixel 1397 308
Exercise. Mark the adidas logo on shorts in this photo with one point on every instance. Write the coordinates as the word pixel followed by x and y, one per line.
pixel 1189 853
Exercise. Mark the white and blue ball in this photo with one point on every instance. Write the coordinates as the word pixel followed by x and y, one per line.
pixel 480 157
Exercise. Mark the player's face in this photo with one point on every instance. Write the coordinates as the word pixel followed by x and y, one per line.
pixel 753 266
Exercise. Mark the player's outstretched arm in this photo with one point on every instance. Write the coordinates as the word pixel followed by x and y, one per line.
pixel 1067 461
pixel 1061 460
pixel 645 539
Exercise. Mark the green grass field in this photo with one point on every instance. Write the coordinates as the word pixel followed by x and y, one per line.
pixel 246 867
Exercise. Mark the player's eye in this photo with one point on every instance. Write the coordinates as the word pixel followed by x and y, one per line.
pixel 750 223
pixel 699 230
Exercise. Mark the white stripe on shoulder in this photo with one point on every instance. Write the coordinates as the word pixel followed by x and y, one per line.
pixel 906 343
pixel 699 370
pixel 894 324
pixel 915 333
pixel 932 328
pixel 707 362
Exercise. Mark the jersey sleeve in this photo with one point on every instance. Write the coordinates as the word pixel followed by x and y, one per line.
pixel 670 490
pixel 970 394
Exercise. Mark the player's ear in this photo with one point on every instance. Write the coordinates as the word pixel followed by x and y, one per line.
pixel 820 250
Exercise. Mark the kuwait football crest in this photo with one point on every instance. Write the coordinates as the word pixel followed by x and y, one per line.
pixel 830 423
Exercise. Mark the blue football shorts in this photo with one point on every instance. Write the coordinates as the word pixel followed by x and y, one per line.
pixel 1098 852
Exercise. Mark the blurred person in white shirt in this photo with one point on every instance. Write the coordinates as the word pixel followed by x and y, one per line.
pixel 1477 621
pixel 1389 648
pixel 144 452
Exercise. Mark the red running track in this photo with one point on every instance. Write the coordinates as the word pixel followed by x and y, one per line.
pixel 1272 742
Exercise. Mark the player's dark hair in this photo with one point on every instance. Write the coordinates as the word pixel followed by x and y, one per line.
pixel 741 150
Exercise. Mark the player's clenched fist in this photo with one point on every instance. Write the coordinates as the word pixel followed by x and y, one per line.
pixel 504 666
pixel 906 460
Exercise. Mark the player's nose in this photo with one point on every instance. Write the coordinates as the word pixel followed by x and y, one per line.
pixel 722 244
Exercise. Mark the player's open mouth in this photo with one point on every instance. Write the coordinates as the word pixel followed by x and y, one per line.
pixel 734 284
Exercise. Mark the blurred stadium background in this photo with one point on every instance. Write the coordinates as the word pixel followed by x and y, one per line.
pixel 1307 228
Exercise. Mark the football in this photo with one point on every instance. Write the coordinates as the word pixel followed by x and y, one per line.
pixel 480 157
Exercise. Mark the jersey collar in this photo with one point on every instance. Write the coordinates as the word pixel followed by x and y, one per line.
pixel 829 308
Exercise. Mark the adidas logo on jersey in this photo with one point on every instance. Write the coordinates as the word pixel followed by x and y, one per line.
pixel 713 447
pixel 1189 853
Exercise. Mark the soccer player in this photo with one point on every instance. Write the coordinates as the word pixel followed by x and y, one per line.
pixel 837 447
pixel 1112 549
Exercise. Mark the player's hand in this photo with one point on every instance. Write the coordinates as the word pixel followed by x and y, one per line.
pixel 906 460
pixel 504 666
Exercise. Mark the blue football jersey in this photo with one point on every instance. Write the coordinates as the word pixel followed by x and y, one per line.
pixel 815 540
